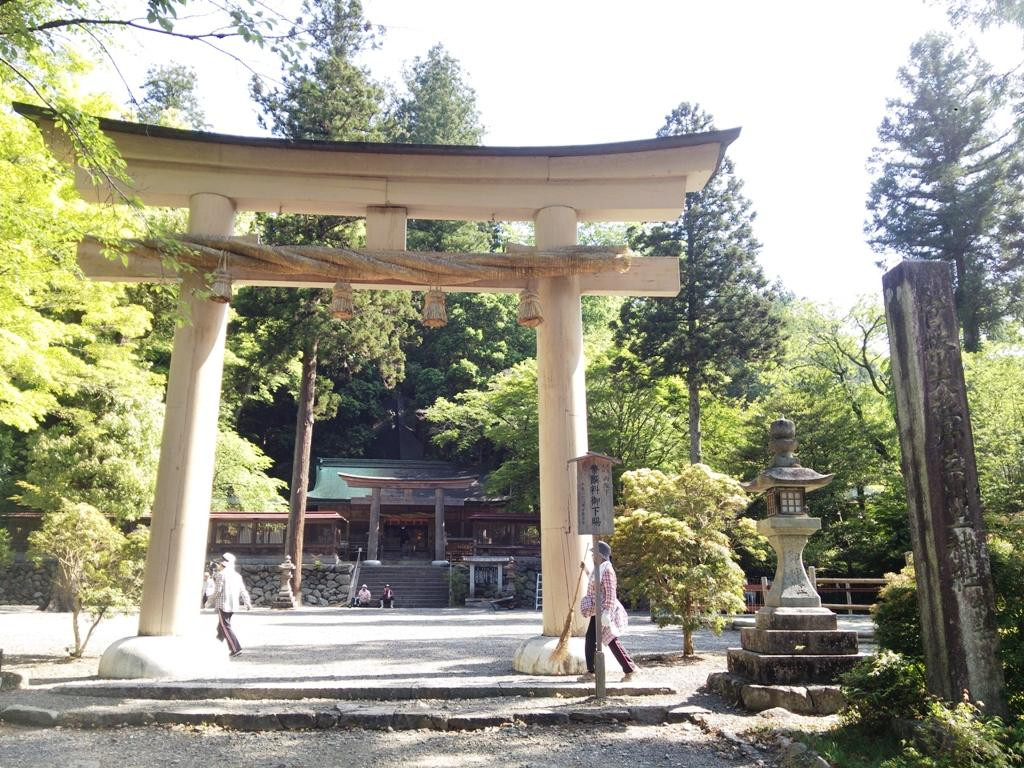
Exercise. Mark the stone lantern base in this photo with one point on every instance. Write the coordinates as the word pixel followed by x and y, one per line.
pixel 790 658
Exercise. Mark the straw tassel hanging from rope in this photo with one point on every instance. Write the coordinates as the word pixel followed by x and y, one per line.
pixel 530 313
pixel 342 304
pixel 434 313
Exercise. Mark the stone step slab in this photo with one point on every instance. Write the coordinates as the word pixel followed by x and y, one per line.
pixel 799 642
pixel 802 700
pixel 796 619
pixel 344 716
pixel 290 692
pixel 770 669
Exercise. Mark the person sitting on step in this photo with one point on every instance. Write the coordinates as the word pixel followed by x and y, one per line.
pixel 362 598
pixel 387 597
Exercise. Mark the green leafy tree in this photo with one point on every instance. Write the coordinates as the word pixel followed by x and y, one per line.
pixel 673 548
pixel 327 96
pixel 481 337
pixel 439 108
pixel 995 394
pixel 40 40
pixel 496 426
pixel 633 417
pixel 834 384
pixel 170 98
pixel 723 317
pixel 104 456
pixel 239 477
pixel 948 180
pixel 97 567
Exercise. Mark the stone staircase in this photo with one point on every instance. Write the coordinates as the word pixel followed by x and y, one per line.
pixel 415 585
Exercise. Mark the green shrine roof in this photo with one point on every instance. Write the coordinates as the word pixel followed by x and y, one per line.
pixel 329 486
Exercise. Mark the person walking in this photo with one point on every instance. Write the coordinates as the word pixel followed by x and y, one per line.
pixel 209 585
pixel 228 596
pixel 613 617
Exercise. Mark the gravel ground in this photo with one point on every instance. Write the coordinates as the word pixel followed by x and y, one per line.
pixel 538 747
pixel 382 647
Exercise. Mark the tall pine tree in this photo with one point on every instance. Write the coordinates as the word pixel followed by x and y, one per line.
pixel 948 180
pixel 481 337
pixel 328 97
pixel 723 318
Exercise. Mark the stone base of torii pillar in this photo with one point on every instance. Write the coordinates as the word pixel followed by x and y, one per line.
pixel 160 656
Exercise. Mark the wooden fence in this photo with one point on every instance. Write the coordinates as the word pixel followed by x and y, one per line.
pixel 857 594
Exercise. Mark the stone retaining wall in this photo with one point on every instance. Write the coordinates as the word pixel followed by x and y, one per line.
pixel 23 583
pixel 326 585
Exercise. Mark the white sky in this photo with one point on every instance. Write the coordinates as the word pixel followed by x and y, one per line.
pixel 806 80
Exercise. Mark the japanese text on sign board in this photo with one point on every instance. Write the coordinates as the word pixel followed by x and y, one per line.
pixel 594 497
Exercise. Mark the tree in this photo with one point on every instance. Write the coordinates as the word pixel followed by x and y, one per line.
pixel 98 568
pixel 41 40
pixel 481 337
pixel 995 393
pixel 170 98
pixel 327 98
pixel 724 317
pixel 5 548
pixel 834 384
pixel 496 426
pixel 439 108
pixel 239 477
pixel 948 180
pixel 986 13
pixel 672 547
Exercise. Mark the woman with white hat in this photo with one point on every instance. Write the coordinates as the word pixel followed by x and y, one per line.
pixel 613 617
pixel 229 595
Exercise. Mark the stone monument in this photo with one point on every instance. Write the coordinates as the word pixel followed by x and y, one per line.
pixel 951 563
pixel 792 655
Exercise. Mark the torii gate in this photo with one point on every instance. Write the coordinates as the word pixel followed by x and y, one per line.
pixel 216 175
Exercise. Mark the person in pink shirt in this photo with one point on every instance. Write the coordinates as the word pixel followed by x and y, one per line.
pixel 613 617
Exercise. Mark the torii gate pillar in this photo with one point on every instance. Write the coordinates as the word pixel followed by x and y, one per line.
pixel 562 420
pixel 167 645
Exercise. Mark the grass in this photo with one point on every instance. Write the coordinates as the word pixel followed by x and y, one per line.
pixel 849 746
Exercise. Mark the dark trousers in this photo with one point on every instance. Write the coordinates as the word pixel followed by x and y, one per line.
pixel 224 631
pixel 614 646
pixel 387 602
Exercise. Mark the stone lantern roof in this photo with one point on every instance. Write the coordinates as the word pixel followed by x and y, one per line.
pixel 785 470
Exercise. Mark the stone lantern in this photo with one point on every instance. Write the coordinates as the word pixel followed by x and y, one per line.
pixel 285 597
pixel 791 656
pixel 785 485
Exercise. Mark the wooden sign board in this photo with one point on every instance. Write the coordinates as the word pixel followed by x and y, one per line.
pixel 594 494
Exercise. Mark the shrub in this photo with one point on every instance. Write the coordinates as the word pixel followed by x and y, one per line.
pixel 5 548
pixel 958 737
pixel 1007 577
pixel 897 621
pixel 97 567
pixel 884 688
pixel 898 624
pixel 458 586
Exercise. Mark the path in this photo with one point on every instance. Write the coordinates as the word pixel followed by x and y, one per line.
pixel 384 648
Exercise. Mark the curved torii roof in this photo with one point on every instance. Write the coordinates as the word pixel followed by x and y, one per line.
pixel 625 181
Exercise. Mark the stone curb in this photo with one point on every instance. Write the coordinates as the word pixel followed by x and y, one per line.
pixel 187 692
pixel 341 716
